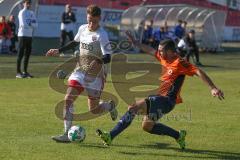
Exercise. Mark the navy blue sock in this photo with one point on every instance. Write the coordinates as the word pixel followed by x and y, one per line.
pixel 123 123
pixel 161 129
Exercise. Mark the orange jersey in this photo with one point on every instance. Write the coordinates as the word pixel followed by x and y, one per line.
pixel 173 75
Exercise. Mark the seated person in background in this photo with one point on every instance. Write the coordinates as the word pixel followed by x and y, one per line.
pixel 165 32
pixel 14 38
pixel 184 26
pixel 188 46
pixel 179 30
pixel 162 34
pixel 148 33
pixel 158 35
pixel 169 33
pixel 5 35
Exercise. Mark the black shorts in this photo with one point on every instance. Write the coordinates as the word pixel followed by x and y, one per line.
pixel 157 106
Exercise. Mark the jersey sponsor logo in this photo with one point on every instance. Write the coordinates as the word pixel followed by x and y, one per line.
pixel 86 46
pixel 28 21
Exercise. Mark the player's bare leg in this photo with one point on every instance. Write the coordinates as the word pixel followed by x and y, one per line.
pixel 71 96
pixel 97 107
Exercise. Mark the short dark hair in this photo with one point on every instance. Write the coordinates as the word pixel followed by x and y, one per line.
pixel 192 31
pixel 180 21
pixel 26 1
pixel 93 10
pixel 168 44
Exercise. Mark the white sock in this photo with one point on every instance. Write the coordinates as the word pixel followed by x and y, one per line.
pixel 68 117
pixel 67 125
pixel 107 106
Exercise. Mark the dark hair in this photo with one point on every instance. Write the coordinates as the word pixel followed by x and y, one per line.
pixel 180 21
pixel 28 1
pixel 168 44
pixel 192 31
pixel 93 10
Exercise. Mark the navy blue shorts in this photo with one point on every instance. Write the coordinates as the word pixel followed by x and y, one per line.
pixel 157 106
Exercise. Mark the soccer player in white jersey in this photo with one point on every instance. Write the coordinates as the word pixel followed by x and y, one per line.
pixel 89 73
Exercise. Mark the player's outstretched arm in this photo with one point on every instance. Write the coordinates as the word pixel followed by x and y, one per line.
pixel 214 90
pixel 143 47
pixel 68 46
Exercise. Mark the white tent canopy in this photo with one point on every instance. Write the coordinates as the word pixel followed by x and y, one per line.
pixel 207 23
pixel 8 7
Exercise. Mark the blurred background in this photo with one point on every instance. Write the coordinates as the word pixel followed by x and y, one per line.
pixel 215 21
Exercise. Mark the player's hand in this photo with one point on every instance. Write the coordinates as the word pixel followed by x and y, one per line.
pixel 130 37
pixel 52 52
pixel 217 93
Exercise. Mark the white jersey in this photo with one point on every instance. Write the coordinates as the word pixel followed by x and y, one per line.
pixel 88 37
pixel 27 23
pixel 93 45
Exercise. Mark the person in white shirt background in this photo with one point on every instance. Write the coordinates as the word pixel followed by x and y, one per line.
pixel 27 24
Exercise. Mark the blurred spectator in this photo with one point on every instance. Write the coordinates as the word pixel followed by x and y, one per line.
pixel 179 30
pixel 158 35
pixel 161 34
pixel 12 24
pixel 5 30
pixel 188 47
pixel 67 25
pixel 148 33
pixel 165 32
pixel 184 26
pixel 27 23
pixel 169 34
pixel 5 35
pixel 139 30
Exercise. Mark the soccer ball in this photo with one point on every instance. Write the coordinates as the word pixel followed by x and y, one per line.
pixel 76 134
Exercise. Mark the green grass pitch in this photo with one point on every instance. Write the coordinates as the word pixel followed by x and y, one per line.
pixel 27 118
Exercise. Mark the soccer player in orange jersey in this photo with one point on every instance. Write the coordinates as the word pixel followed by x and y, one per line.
pixel 154 107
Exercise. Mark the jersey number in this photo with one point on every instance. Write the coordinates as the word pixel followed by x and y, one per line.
pixel 86 46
